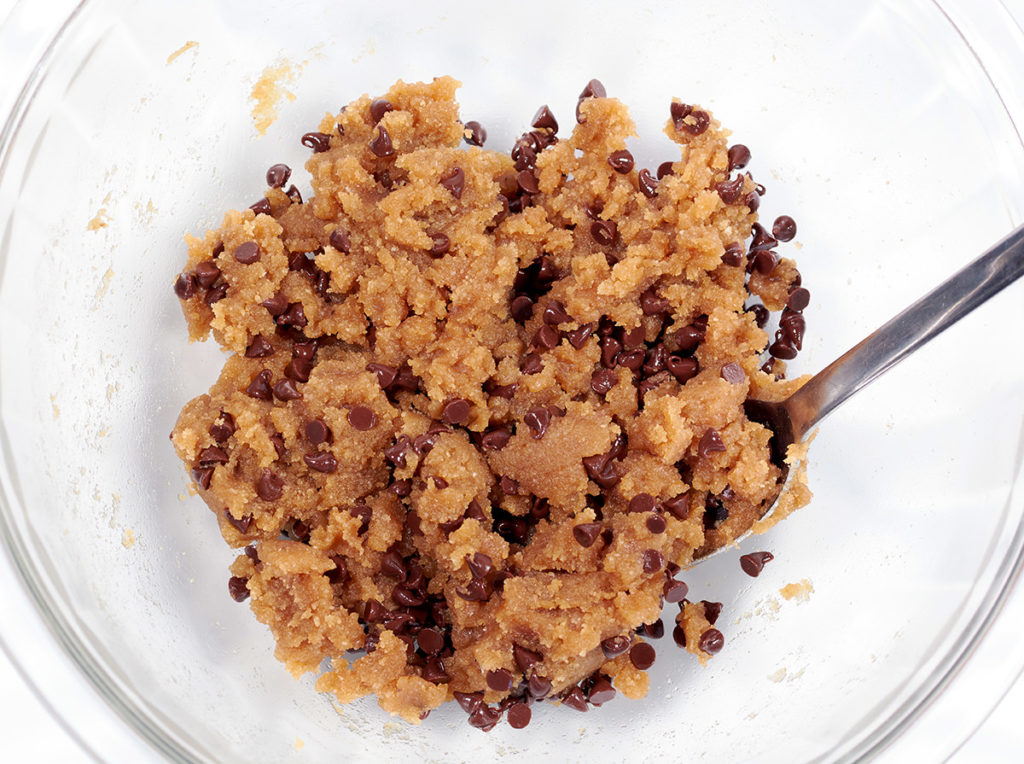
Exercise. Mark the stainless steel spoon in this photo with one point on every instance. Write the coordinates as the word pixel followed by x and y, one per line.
pixel 791 419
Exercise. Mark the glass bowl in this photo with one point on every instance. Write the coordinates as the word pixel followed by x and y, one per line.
pixel 889 129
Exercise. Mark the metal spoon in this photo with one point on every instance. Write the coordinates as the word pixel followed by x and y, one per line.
pixel 791 419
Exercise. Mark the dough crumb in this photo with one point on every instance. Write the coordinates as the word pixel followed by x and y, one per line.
pixel 299 744
pixel 128 539
pixel 267 93
pixel 778 676
pixel 186 47
pixel 800 591
pixel 99 221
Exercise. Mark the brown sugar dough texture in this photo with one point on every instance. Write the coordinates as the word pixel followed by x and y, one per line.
pixel 572 312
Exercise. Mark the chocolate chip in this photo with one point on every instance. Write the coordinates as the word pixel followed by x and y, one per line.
pixel 739 156
pixel 430 641
pixel 586 534
pixel 711 610
pixel 615 646
pixel 476 591
pixel 276 305
pixel 648 184
pixel 406 597
pixel 203 476
pixel 252 554
pixel 439 244
pixel 631 359
pixel 642 656
pixel 651 304
pixel 454 181
pixel 760 313
pixel 752 200
pixel 525 659
pixel 477 133
pixel 185 286
pixel 733 373
pixel 653 561
pixel 555 314
pixel 733 254
pixel 601 470
pixel 575 699
pixel 784 228
pixel 469 701
pixel 378 108
pixel 278 175
pixel 242 526
pixel 666 168
pixel 754 562
pixel 798 299
pixel 610 349
pixel 381 144
pixel 294 315
pixel 712 641
pixel 679 506
pixel 521 308
pixel 207 273
pixel 260 347
pixel 701 120
pixel 259 387
pixel 594 89
pixel 360 511
pixel 456 411
pixel 545 119
pixel 262 207
pixel 603 381
pixel 674 591
pixel 679 636
pixel 386 375
pixel 710 443
pixel 689 337
pixel 318 142
pixel 496 438
pixel 269 487
pixel 655 630
pixel 621 161
pixel 322 461
pixel 532 364
pixel 519 715
pixel 782 349
pixel 656 523
pixel 655 360
pixel 537 420
pixel 293 194
pixel 578 337
pixel 642 502
pixel 224 428
pixel 601 691
pixel 277 441
pixel 480 565
pixel 729 190
pixel 604 231
pixel 682 369
pixel 401 489
pixel 527 181
pixel 238 588
pixel 286 390
pixel 499 680
pixel 715 513
pixel 538 686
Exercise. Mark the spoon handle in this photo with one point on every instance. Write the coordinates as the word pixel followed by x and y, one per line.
pixel 953 299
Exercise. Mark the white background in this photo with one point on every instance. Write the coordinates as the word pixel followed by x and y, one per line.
pixel 30 734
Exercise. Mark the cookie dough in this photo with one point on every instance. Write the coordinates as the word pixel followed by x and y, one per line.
pixel 480 409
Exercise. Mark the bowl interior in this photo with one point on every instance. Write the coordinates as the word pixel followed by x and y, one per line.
pixel 871 123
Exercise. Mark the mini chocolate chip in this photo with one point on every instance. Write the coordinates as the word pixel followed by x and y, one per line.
pixel 621 161
pixel 499 680
pixel 555 314
pixel 480 565
pixel 247 253
pixel 242 526
pixel 575 699
pixel 545 119
pixel 733 373
pixel 224 428
pixel 715 513
pixel 578 337
pixel 674 591
pixel 295 315
pixel 603 381
pixel 269 487
pixel 711 611
pixel 655 360
pixel 601 691
pixel 733 254
pixel 532 364
pixel 521 308
pixel 340 240
pixel 547 337
pixel 374 612
pixel 760 313
pixel 322 461
pixel 752 200
pixel 655 630
pixel 528 182
pixel 754 562
pixel 496 438
pixel 456 411
pixel 701 120
pixel 294 195
pixel 782 349
pixel 537 420
pixel 360 511
pixel 784 228
pixel 586 534
pixel 679 506
pixel 238 588
pixel 602 471
pixel 379 107
pixel 401 489
pixel 712 641
pixel 185 286
pixel 386 375
pixel 610 349
pixel 615 646
pixel 519 715
pixel 252 554
pixel 260 347
pixel 525 659
pixel 431 641
pixel 710 443
pixel 666 168
pixel 286 390
pixel 604 231
pixel 381 144
pixel 469 701
pixel 799 299
pixel 406 597
pixel 653 561
pixel 440 483
pixel 277 441
pixel 594 89
pixel 212 455
pixel 656 523
pixel 651 304
pixel 317 432
pixel 477 133
pixel 262 207
pixel 299 369
pixel 318 142
pixel 682 369
pixel 679 636
pixel 631 359
pixel 739 156
pixel 730 190
pixel 276 305
pixel 454 181
pixel 538 686
pixel 440 244
pixel 642 656
pixel 642 502
pixel 259 387
pixel 648 184
pixel 278 175
pixel 207 273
